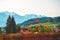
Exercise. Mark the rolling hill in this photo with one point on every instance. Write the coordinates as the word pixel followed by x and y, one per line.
pixel 40 20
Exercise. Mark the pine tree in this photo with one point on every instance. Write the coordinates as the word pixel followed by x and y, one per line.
pixel 8 25
pixel 18 29
pixel 0 30
pixel 11 25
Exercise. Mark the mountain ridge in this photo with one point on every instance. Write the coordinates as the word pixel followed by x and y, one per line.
pixel 18 18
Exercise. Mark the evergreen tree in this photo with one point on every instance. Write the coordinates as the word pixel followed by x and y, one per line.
pixel 18 29
pixel 8 25
pixel 11 25
pixel 0 30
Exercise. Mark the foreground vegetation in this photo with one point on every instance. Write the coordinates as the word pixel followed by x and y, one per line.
pixel 33 25
pixel 31 36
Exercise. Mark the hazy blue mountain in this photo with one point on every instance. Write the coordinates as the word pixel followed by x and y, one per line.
pixel 18 18
pixel 31 16
pixel 4 16
pixel 41 20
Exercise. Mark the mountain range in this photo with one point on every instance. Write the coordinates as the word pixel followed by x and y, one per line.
pixel 18 18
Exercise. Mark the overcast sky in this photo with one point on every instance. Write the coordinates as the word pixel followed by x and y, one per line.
pixel 49 8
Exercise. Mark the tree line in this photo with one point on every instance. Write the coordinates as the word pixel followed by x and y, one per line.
pixel 11 26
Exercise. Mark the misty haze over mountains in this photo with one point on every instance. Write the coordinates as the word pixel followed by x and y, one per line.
pixel 18 18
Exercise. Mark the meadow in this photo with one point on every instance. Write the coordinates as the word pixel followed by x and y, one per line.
pixel 31 36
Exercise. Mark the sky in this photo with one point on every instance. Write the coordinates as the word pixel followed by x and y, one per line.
pixel 49 8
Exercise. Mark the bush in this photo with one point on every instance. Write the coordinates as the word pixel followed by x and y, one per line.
pixel 58 26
